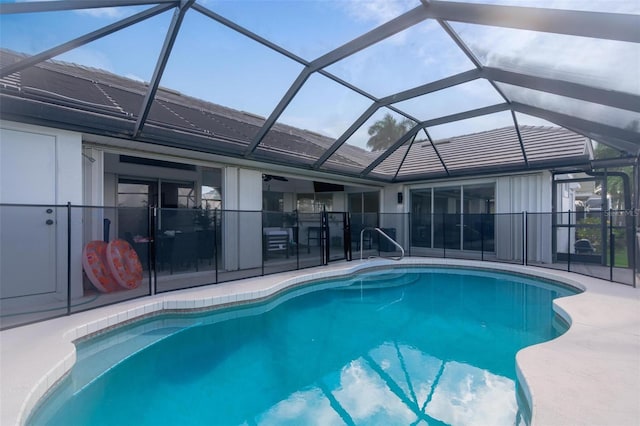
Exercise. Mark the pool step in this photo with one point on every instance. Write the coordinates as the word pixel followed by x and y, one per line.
pixel 381 281
pixel 98 357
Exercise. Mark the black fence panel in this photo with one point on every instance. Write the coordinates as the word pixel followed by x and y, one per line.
pixel 241 245
pixel 396 226
pixel 34 246
pixel 280 242
pixel 115 257
pixel 60 259
pixel 310 241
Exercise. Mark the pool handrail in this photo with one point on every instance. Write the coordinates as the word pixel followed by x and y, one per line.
pixel 395 243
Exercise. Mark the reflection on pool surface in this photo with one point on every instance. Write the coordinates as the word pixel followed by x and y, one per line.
pixel 401 346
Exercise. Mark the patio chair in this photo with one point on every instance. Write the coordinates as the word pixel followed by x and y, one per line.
pixel 584 246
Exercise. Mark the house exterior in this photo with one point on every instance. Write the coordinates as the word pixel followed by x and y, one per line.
pixel 63 141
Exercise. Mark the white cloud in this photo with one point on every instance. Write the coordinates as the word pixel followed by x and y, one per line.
pixel 103 12
pixel 378 11
pixel 367 399
pixel 303 407
pixel 468 395
pixel 601 63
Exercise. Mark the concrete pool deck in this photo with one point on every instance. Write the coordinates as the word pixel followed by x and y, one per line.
pixel 588 376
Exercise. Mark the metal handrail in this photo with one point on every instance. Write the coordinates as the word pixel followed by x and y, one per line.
pixel 395 243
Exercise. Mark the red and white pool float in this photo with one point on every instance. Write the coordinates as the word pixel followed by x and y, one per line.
pixel 124 264
pixel 112 266
pixel 94 262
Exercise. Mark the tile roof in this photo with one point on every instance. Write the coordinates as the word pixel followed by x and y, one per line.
pixel 231 131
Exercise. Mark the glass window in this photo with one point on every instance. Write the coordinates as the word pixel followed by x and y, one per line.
pixel 479 198
pixel 134 196
pixel 355 203
pixel 324 202
pixel 273 201
pixel 479 206
pixel 421 218
pixel 210 198
pixel 446 208
pixel 364 202
pixel 177 195
pixel 447 217
pixel 135 193
pixel 211 189
pixel 364 208
pixel 371 202
pixel 314 203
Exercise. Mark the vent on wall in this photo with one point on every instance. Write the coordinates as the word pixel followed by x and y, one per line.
pixel 156 163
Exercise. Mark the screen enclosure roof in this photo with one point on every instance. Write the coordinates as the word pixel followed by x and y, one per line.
pixel 388 90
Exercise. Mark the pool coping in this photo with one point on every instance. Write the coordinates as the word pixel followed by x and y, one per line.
pixel 589 375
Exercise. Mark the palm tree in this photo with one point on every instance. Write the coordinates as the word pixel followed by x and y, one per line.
pixel 387 131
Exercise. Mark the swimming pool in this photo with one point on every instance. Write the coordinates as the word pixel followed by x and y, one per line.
pixel 398 346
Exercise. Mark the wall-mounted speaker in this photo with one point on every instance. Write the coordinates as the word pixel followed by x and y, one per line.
pixel 399 197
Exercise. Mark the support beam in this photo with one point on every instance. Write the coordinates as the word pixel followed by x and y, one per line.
pixel 397 390
pixel 385 30
pixel 583 92
pixel 245 32
pixel 517 127
pixel 461 44
pixel 404 139
pixel 435 122
pixel 346 135
pixel 434 86
pixel 611 26
pixel 465 49
pixel 626 140
pixel 404 157
pixel 81 41
pixel 435 149
pixel 467 114
pixel 54 6
pixel 169 40
pixel 279 109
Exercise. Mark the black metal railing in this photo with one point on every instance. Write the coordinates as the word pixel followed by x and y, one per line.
pixel 45 262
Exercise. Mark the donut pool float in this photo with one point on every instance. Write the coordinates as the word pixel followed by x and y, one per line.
pixel 94 262
pixel 123 263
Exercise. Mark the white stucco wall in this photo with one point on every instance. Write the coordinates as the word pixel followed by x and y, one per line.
pixel 524 193
pixel 242 189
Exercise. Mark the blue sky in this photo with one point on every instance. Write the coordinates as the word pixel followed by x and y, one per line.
pixel 211 62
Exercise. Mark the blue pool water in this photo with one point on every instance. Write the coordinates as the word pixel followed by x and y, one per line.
pixel 401 346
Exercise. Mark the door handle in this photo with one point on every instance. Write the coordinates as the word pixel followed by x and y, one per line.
pixel 49 211
pixel 49 222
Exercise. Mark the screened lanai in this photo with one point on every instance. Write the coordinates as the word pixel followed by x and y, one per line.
pixel 231 139
pixel 454 88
